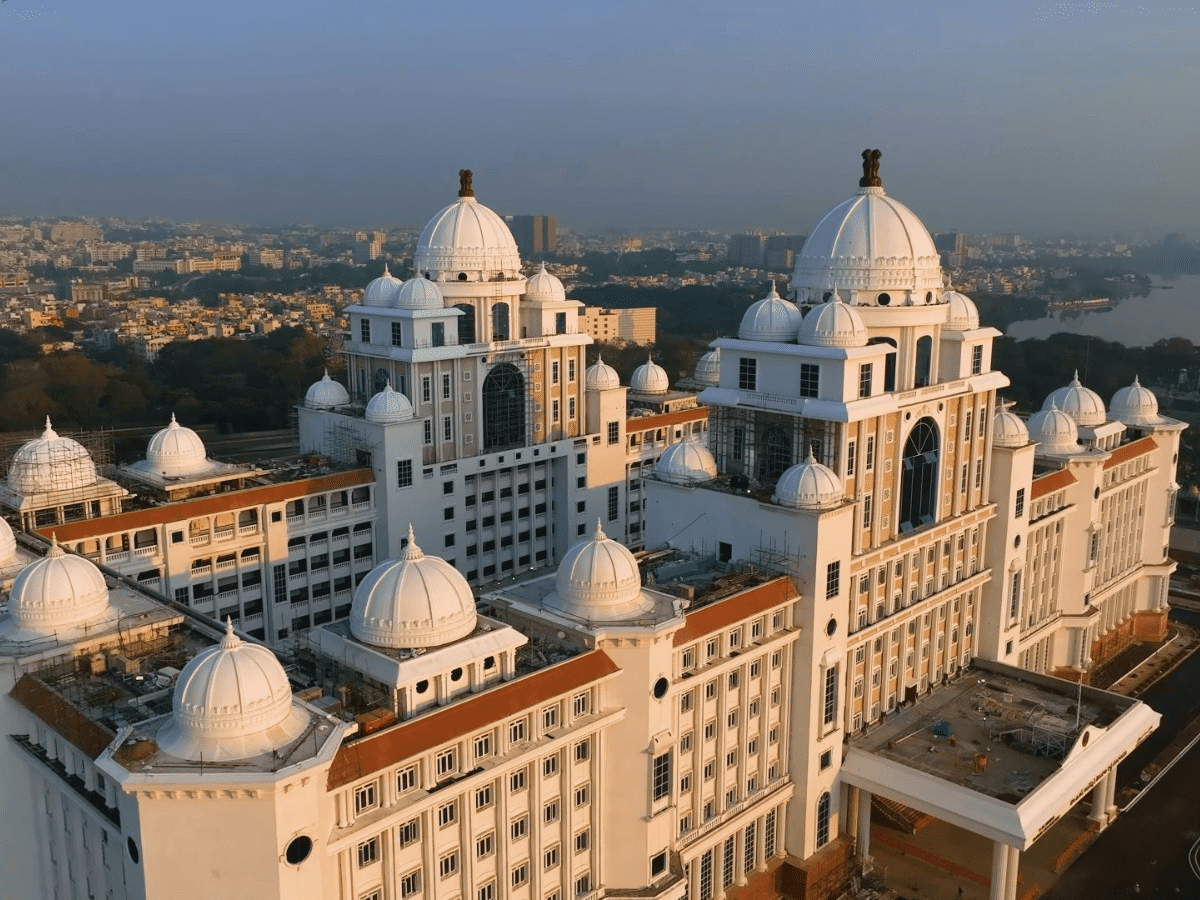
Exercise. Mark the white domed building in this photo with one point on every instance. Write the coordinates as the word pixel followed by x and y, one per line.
pixel 687 462
pixel 1135 406
pixel 598 581
pixel 326 394
pixel 770 319
pixel 388 407
pixel 58 597
pixel 809 485
pixel 650 378
pixel 383 290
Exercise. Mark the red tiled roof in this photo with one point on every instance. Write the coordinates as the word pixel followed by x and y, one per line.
pixel 204 506
pixel 62 716
pixel 645 423
pixel 386 748
pixel 1048 484
pixel 732 609
pixel 1130 451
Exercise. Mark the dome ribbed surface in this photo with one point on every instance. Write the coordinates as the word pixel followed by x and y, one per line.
pixel 601 377
pixel 1135 405
pixel 50 463
pixel 770 319
pixel 686 462
pixel 1054 430
pixel 467 237
pixel 383 290
pixel 1009 431
pixel 58 595
pixel 833 324
pixel 962 314
pixel 326 394
pixel 176 450
pixel 419 293
pixel 708 367
pixel 544 286
pixel 650 378
pixel 598 580
pixel 809 485
pixel 1080 403
pixel 412 601
pixel 8 544
pixel 388 407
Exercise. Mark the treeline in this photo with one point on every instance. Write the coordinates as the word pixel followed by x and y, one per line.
pixel 236 385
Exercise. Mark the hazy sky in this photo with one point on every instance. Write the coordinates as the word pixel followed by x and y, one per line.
pixel 991 116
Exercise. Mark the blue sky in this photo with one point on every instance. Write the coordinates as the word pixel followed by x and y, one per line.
pixel 1031 117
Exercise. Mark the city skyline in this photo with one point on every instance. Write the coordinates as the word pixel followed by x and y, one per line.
pixel 659 117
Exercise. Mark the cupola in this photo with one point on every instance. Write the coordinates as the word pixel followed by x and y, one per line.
pixel 1054 431
pixel 598 580
pixel 419 293
pixel 326 394
pixel 708 367
pixel 833 324
pixel 50 463
pixel 382 291
pixel 176 451
pixel 60 595
pixel 1080 403
pixel 649 378
pixel 809 485
pixel 1008 431
pixel 545 287
pixel 770 319
pixel 1135 406
pixel 467 239
pixel 601 377
pixel 962 314
pixel 388 407
pixel 686 462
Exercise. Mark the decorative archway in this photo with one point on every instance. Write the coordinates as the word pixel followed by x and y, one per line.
pixel 918 476
pixel 503 407
pixel 774 453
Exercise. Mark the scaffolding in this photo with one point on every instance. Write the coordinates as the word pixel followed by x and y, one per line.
pixel 510 413
pixel 346 445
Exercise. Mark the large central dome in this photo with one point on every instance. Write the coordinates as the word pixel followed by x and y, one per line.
pixel 869 242
pixel 467 238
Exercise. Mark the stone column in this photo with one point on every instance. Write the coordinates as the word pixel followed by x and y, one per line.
pixel 760 843
pixel 864 824
pixel 850 825
pixel 1014 859
pixel 739 860
pixel 694 879
pixel 1099 813
pixel 999 886
pixel 1110 794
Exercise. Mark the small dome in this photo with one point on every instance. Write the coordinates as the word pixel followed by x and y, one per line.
pixel 686 462
pixel 1009 431
pixel 419 293
pixel 412 601
pixel 232 701
pixel 601 377
pixel 650 378
pixel 467 237
pixel 708 367
pixel 8 544
pixel 963 315
pixel 544 286
pixel 176 450
pixel 50 463
pixel 383 290
pixel 388 407
pixel 809 485
pixel 833 324
pixel 598 580
pixel 770 319
pixel 1135 405
pixel 1054 430
pixel 58 595
pixel 1081 404
pixel 326 394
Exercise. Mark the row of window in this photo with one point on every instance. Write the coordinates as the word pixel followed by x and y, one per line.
pixel 715 647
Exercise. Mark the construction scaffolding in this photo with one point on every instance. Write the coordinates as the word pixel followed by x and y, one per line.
pixel 346 445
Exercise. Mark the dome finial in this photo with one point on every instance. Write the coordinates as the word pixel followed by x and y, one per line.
pixel 870 177
pixel 599 534
pixel 542 269
pixel 465 188
pixel 411 550
pixel 49 432
pixel 1136 383
pixel 230 640
pixel 386 272
pixel 174 424
pixel 1075 379
pixel 55 549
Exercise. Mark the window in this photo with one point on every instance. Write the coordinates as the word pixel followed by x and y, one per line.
pixel 448 813
pixel 428 429
pixel 365 798
pixel 570 407
pixel 833 579
pixel 426 390
pixel 519 827
pixel 579 705
pixel 582 751
pixel 864 380
pixel 516 781
pixel 614 503
pixel 483 745
pixel 516 731
pixel 446 762
pixel 727 861
pixel 614 432
pixel 486 891
pixel 550 857
pixel 866 511
pixel 685 742
pixel 710 730
pixel 1014 599
pixel 447 428
pixel 437 334
pixel 397 335
pixel 364 330
pixel 851 455
pixel 869 462
pixel 554 373
pixel 448 864
pixel 368 852
pixel 706 876
pixel 810 379
pixel 1020 505
pixel 520 874
pixel 582 840
pixel 550 811
pixel 446 388
pixel 976 359
pixel 406 779
pixel 583 884
pixel 570 367
pixel 685 783
pixel 484 797
pixel 485 845
pixel 831 689
pixel 748 374
pixel 410 884
pixel 555 413
pixel 550 717
pixel 823 820
pixel 582 795
pixel 661 776
pixel 918 483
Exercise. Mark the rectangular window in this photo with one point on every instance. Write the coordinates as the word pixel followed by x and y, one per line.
pixel 769 835
pixel 550 857
pixel 520 874
pixel 737 450
pixel 437 334
pixel 614 503
pixel 810 379
pixel 550 812
pixel 428 431
pixel 570 407
pixel 979 473
pixel 831 691
pixel 582 795
pixel 365 798
pixel 448 864
pixel 516 781
pixel 582 751
pixel 368 852
pixel 516 731
pixel 727 861
pixel 851 454
pixel 554 373
pixel 484 797
pixel 579 705
pixel 1020 505
pixel 554 414
pixel 570 369
pixel 519 827
pixel 410 884
pixel 1014 599
pixel 447 814
pixel 748 374
pixel 446 762
pixel 483 746
pixel 550 717
pixel 446 387
pixel 485 845
pixel 583 884
pixel 866 518
pixel 406 779
pixel 614 432
pixel 869 462
pixel 397 335
pixel 833 579
pixel 426 390
pixel 549 766
pixel 977 359
pixel 864 380
pixel 364 330
pixel 447 428
pixel 486 892
pixel 582 840
pixel 706 876
pixel 661 776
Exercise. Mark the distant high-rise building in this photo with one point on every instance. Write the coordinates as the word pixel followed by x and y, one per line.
pixel 748 249
pixel 781 250
pixel 535 234
pixel 74 232
pixel 953 247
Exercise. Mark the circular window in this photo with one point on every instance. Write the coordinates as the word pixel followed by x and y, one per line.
pixel 298 849
pixel 941 406
pixel 831 628
pixel 907 416
pixel 133 850
pixel 422 685
pixel 462 276
pixel 456 674
pixel 1083 740
pixel 883 299
pixel 660 688
pixel 1017 541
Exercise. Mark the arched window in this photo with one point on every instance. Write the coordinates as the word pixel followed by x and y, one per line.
pixel 500 322
pixel 774 453
pixel 381 379
pixel 503 407
pixel 924 361
pixel 823 820
pixel 918 479
pixel 466 323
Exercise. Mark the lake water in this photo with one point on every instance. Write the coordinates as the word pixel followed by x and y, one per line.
pixel 1171 309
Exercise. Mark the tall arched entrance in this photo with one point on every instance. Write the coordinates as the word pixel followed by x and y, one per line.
pixel 503 407
pixel 918 476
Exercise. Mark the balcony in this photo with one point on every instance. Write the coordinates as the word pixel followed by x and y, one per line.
pixel 295 520
pixel 197 539
pixel 365 504
pixel 225 533
pixel 244 530
pixel 116 556
pixel 202 570
pixel 297 577
pixel 145 551
pixel 226 564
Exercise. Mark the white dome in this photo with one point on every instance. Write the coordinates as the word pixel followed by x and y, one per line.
pixel 870 243
pixel 1135 405
pixel 58 595
pixel 601 377
pixel 232 701
pixel 770 319
pixel 598 580
pixel 1009 431
pixel 176 450
pixel 326 394
pixel 1054 431
pixel 963 315
pixel 467 237
pixel 809 485
pixel 8 544
pixel 1081 404
pixel 544 286
pixel 50 463
pixel 388 407
pixel 686 462
pixel 650 378
pixel 419 293
pixel 412 601
pixel 833 324
pixel 708 367
pixel 383 290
